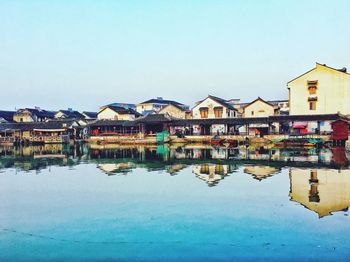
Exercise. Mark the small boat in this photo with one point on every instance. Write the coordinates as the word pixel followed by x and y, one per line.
pixel 216 141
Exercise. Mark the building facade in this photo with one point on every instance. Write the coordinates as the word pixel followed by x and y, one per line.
pixel 117 113
pixel 258 108
pixel 175 111
pixel 154 105
pixel 214 107
pixel 322 90
pixel 32 115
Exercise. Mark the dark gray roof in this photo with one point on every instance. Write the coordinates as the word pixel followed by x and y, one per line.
pixel 35 125
pixel 125 105
pixel 223 102
pixel 7 115
pixel 108 123
pixel 90 114
pixel 155 118
pixel 40 112
pixel 72 114
pixel 162 101
pixel 122 110
pixel 219 100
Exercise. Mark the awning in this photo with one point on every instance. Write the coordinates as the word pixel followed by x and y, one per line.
pixel 49 130
pixel 299 125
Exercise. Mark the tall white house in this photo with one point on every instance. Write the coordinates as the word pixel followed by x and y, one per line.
pixel 322 90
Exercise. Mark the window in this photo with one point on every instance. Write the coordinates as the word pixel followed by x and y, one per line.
pixel 218 112
pixel 312 86
pixel 312 105
pixel 204 112
pixel 204 169
pixel 252 113
pixel 312 90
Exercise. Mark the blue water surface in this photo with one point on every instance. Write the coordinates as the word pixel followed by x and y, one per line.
pixel 80 213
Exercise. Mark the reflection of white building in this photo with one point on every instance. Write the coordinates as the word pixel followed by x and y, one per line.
pixel 321 190
pixel 211 173
pixel 219 153
pixel 116 168
pixel 261 172
pixel 173 169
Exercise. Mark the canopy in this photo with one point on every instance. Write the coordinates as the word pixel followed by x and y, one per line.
pixel 299 125
pixel 49 130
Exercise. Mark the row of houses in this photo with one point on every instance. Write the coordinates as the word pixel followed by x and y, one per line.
pixel 25 115
pixel 316 98
pixel 319 91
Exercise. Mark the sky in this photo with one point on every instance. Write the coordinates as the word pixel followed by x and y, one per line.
pixel 85 54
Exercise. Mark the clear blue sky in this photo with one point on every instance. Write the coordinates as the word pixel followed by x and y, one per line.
pixel 83 54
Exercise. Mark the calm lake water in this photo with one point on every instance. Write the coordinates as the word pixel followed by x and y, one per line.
pixel 167 204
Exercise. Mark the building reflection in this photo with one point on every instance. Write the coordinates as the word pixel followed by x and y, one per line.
pixel 212 174
pixel 321 190
pixel 260 172
pixel 319 179
pixel 116 168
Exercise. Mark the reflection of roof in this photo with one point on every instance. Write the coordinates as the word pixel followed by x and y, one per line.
pixel 261 172
pixel 117 168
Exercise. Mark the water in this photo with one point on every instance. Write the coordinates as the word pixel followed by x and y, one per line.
pixel 160 203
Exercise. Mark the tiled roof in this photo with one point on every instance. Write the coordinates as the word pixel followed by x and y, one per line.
pixel 155 118
pixel 35 125
pixel 90 114
pixel 122 110
pixel 222 102
pixel 39 112
pixel 108 123
pixel 7 115
pixel 162 101
pixel 72 114
pixel 125 105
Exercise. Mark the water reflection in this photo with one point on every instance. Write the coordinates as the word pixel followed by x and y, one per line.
pixel 320 190
pixel 319 178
